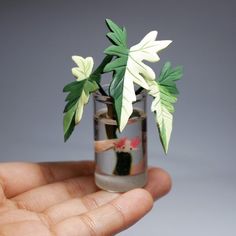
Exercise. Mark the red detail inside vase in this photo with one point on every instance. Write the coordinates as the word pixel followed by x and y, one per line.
pixel 127 145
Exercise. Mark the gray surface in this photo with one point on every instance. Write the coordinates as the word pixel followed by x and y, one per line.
pixel 37 39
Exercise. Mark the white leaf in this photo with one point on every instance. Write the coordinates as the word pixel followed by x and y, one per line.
pixel 84 69
pixel 83 100
pixel 147 50
pixel 136 71
pixel 127 99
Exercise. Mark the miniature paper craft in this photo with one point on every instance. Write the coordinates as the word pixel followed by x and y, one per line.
pixel 129 69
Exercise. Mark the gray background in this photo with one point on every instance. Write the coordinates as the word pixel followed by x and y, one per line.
pixel 37 39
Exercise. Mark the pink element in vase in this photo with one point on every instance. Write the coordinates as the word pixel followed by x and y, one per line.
pixel 126 145
pixel 121 143
pixel 135 142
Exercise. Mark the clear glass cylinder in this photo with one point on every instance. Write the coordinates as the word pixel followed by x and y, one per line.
pixel 120 157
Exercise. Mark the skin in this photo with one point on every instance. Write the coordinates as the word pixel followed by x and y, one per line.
pixel 54 199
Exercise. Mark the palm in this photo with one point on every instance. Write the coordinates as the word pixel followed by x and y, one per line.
pixel 62 199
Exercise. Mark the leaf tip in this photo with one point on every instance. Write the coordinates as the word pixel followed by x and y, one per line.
pixel 165 43
pixel 108 22
pixel 165 150
pixel 105 69
pixel 73 57
pixel 64 90
pixel 154 33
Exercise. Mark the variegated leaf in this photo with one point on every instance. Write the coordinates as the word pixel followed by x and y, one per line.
pixel 129 68
pixel 162 115
pixel 83 100
pixel 82 72
pixel 164 92
pixel 146 50
pixel 79 92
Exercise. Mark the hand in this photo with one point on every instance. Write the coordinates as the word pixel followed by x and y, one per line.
pixel 62 199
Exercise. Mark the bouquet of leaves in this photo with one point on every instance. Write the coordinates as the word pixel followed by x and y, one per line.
pixel 128 70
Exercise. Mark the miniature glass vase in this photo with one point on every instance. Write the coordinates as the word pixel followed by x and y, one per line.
pixel 120 157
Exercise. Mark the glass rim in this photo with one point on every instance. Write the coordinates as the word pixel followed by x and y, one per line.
pixel 108 99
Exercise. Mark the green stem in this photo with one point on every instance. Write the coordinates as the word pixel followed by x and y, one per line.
pixel 101 90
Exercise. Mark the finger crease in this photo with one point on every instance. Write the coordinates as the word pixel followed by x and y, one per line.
pixel 120 212
pixel 73 187
pixel 89 223
pixel 47 221
pixel 21 205
pixel 89 202
pixel 47 173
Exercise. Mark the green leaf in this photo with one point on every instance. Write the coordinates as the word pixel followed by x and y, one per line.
pixel 128 68
pixel 119 62
pixel 165 93
pixel 172 89
pixel 90 86
pixel 118 51
pixel 70 86
pixel 169 76
pixel 96 75
pixel 68 121
pixel 121 93
pixel 118 35
pixel 69 131
pixel 118 91
pixel 76 90
pixel 69 105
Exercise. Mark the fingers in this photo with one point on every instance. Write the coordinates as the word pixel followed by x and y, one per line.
pixel 16 178
pixel 100 213
pixel 43 197
pixel 110 218
pixel 78 206
pixel 159 183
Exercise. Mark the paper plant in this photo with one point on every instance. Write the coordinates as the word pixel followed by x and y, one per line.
pixel 128 68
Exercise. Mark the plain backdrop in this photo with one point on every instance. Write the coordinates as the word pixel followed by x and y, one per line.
pixel 37 40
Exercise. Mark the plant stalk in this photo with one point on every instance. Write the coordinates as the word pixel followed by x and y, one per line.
pixel 123 159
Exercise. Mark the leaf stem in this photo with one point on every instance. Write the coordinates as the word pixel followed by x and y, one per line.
pixel 102 91
pixel 139 90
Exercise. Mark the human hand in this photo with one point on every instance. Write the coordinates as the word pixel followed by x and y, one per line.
pixel 62 199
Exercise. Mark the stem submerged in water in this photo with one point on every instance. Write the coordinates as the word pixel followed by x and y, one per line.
pixel 124 159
